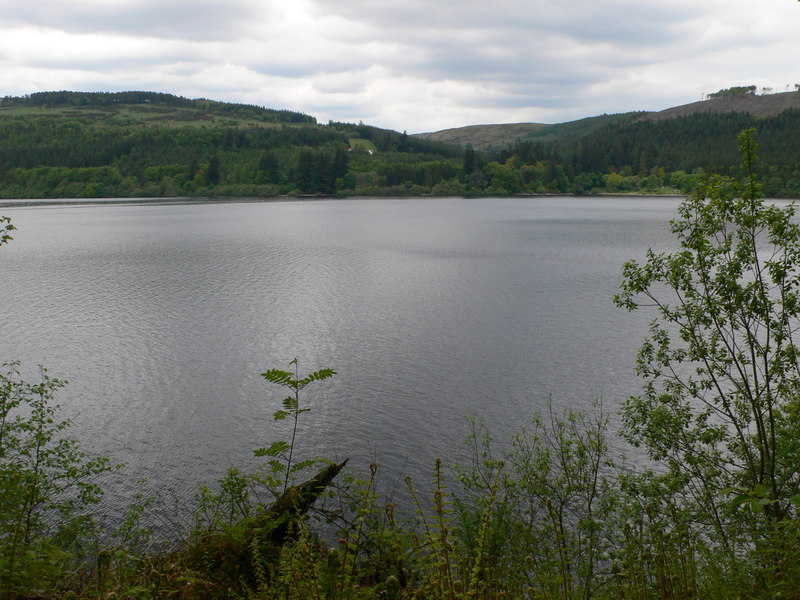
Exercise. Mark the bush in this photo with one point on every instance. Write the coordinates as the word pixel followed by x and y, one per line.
pixel 46 483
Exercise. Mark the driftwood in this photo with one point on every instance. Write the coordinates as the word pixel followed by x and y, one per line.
pixel 295 502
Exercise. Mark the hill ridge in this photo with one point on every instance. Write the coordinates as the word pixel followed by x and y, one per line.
pixel 759 106
pixel 109 100
pixel 488 136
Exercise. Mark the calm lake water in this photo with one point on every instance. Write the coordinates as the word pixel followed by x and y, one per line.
pixel 162 316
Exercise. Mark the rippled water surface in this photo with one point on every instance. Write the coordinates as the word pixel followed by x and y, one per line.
pixel 162 316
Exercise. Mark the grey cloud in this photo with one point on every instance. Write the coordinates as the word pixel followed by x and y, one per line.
pixel 293 68
pixel 177 19
pixel 101 63
pixel 507 41
pixel 288 70
pixel 517 102
pixel 349 87
pixel 522 62
pixel 618 22
pixel 86 65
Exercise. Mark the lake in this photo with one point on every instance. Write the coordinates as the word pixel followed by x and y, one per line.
pixel 162 316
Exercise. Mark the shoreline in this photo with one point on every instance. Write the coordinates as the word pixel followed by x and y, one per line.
pixel 171 200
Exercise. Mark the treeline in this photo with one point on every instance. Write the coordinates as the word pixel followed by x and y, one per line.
pixel 741 90
pixel 67 155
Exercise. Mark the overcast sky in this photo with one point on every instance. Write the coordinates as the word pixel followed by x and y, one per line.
pixel 416 65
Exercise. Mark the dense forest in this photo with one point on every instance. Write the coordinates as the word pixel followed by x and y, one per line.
pixel 135 144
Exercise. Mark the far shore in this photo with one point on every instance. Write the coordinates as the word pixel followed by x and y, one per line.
pixel 49 202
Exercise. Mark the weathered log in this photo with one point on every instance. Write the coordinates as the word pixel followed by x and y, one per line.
pixel 228 558
pixel 295 502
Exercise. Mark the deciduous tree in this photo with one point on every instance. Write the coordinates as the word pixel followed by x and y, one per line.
pixel 721 399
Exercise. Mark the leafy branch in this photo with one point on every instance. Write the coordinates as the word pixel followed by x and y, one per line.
pixel 6 227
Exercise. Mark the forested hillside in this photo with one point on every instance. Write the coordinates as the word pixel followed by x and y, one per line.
pixel 645 154
pixel 134 144
pixel 70 144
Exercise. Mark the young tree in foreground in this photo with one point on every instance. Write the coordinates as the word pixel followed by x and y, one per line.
pixel 46 485
pixel 291 408
pixel 721 400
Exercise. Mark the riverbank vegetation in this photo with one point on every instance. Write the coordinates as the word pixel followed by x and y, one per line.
pixel 708 510
pixel 143 144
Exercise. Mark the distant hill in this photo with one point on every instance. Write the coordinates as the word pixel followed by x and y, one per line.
pixel 144 108
pixel 582 127
pixel 483 137
pixel 497 137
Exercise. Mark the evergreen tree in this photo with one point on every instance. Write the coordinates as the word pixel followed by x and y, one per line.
pixel 213 174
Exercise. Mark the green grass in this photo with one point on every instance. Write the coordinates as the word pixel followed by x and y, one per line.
pixel 362 144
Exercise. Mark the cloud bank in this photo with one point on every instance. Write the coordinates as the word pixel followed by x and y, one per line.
pixel 406 64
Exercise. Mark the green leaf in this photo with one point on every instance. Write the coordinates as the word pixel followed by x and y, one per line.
pixel 299 466
pixel 279 377
pixel 275 449
pixel 741 499
pixel 317 376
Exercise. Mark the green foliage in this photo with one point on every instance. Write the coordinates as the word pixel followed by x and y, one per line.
pixel 505 178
